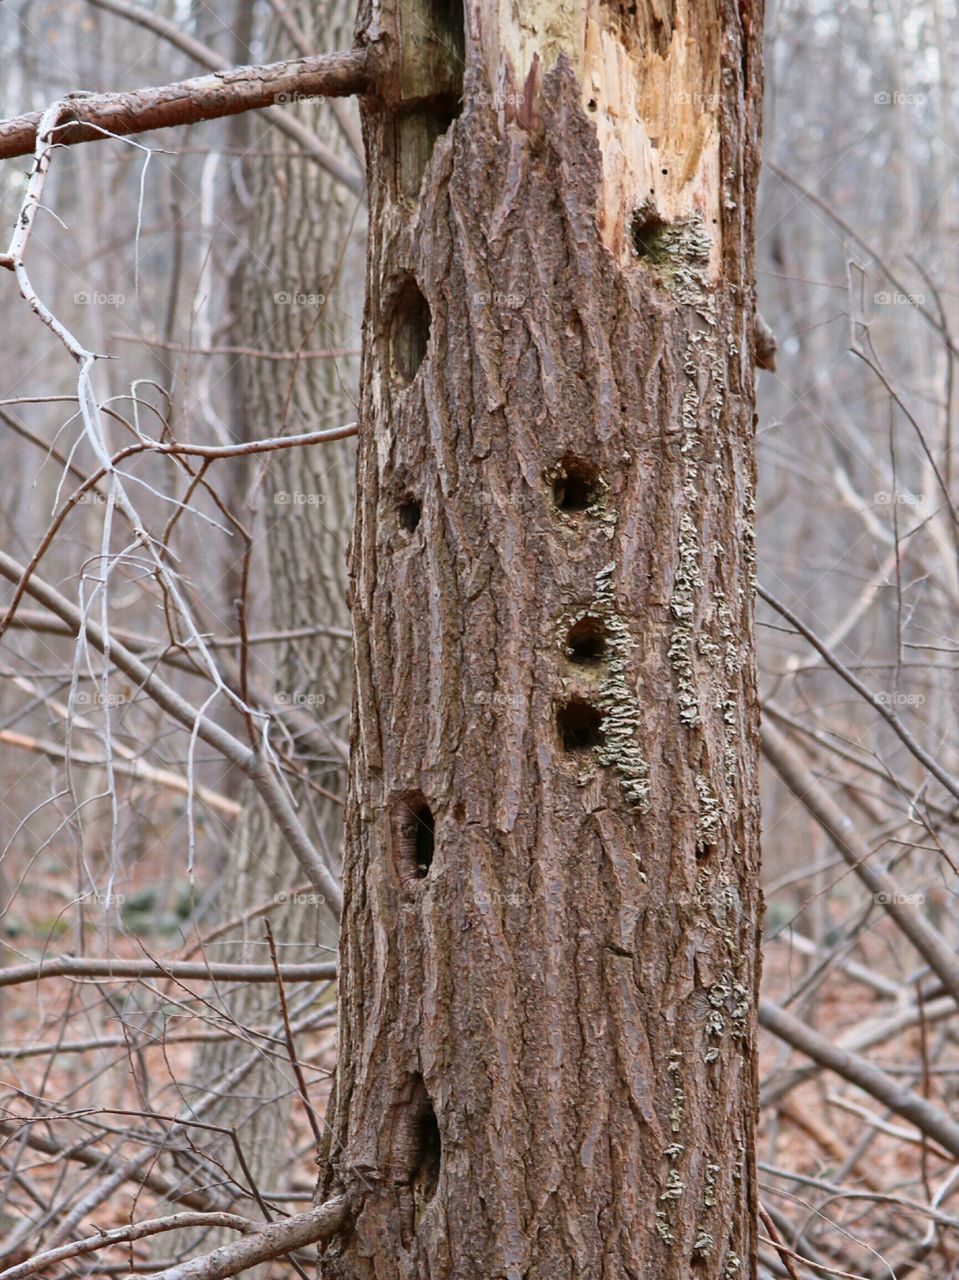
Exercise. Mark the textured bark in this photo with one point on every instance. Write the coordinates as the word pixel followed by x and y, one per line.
pixel 547 1060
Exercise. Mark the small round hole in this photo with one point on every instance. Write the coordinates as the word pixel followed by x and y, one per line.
pixel 409 512
pixel 586 642
pixel 580 725
pixel 409 332
pixel 575 486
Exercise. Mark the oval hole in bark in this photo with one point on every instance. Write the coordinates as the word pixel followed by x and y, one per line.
pixel 580 725
pixel 586 641
pixel 427 1173
pixel 409 332
pixel 409 512
pixel 414 836
pixel 575 486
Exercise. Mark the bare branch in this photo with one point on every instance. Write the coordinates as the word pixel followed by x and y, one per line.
pixel 927 1118
pixel 226 92
pixel 125 1235
pixel 275 1239
pixel 84 967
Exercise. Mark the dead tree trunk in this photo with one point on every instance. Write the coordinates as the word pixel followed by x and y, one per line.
pixel 549 942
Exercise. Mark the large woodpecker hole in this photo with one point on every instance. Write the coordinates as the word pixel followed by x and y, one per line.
pixel 409 332
pixel 414 838
pixel 575 484
pixel 409 513
pixel 586 642
pixel 648 233
pixel 426 1174
pixel 580 725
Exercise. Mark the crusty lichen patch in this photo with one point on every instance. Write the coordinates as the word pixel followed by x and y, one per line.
pixel 622 727
pixel 675 253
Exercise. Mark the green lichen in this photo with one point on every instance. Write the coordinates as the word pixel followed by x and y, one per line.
pixel 674 1187
pixel 709 820
pixel 622 727
pixel 675 253
pixel 709 1194
pixel 682 606
pixel 703 1243
pixel 662 1226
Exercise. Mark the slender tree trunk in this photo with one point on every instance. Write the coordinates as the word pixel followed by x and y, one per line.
pixel 549 942
pixel 300 292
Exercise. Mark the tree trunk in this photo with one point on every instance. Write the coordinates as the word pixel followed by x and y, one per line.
pixel 550 936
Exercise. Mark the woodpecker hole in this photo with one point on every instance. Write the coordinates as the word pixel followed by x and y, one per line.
pixel 413 838
pixel 575 485
pixel 580 725
pixel 647 231
pixel 586 642
pixel 409 332
pixel 409 513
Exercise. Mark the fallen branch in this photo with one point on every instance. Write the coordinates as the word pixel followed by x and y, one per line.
pixel 927 1117
pixel 125 1235
pixel 274 1240
pixel 210 97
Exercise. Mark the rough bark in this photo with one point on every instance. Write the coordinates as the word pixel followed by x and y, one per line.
pixel 550 932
